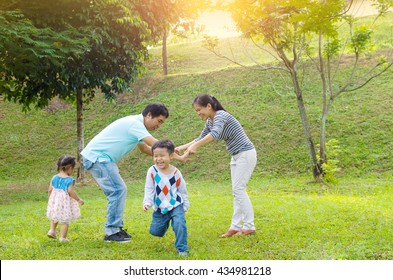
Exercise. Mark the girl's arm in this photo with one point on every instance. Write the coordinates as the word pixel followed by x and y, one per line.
pixel 73 194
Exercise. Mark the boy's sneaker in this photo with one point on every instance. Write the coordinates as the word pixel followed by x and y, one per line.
pixel 117 237
pixel 125 234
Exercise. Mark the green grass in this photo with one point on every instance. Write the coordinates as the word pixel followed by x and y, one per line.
pixel 295 219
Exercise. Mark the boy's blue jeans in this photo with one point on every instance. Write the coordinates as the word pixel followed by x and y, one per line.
pixel 108 178
pixel 160 223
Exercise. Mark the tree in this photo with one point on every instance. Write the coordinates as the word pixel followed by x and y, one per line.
pixel 163 16
pixel 105 53
pixel 289 28
pixel 28 53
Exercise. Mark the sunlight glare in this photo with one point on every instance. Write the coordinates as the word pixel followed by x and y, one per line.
pixel 218 24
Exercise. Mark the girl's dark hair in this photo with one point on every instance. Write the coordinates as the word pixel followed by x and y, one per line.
pixel 156 109
pixel 204 99
pixel 168 144
pixel 64 162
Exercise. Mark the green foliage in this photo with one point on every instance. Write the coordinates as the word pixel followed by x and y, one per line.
pixel 361 38
pixel 31 57
pixel 331 168
pixel 166 15
pixel 284 23
pixel 332 47
pixel 102 44
pixel 382 5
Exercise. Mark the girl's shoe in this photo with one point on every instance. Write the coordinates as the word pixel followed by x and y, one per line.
pixel 61 239
pixel 52 234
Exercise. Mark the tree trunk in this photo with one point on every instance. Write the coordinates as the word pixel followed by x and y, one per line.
pixel 80 133
pixel 322 145
pixel 322 139
pixel 164 53
pixel 316 169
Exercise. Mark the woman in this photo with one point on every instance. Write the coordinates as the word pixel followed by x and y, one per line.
pixel 222 125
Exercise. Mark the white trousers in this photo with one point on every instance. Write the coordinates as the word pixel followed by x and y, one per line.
pixel 242 166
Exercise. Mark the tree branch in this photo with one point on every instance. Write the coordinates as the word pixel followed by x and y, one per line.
pixel 264 49
pixel 349 83
pixel 371 77
pixel 260 66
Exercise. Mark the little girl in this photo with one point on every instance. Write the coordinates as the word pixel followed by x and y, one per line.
pixel 63 201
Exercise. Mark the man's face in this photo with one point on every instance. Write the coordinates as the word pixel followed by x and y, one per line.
pixel 154 123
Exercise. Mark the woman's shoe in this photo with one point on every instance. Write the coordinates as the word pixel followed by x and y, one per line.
pixel 246 232
pixel 230 233
pixel 61 239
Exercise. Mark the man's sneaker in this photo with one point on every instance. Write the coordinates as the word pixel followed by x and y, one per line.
pixel 125 234
pixel 183 254
pixel 117 237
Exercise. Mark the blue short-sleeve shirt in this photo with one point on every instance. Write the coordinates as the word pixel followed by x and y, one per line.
pixel 116 140
pixel 62 183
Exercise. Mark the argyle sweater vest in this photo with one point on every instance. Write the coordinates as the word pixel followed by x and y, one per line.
pixel 166 197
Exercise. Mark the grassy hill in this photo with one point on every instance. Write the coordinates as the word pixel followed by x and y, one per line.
pixel 30 143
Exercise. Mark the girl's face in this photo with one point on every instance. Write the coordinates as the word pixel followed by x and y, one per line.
pixel 162 158
pixel 204 112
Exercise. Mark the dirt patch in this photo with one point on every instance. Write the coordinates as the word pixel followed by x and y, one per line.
pixel 56 104
pixel 142 88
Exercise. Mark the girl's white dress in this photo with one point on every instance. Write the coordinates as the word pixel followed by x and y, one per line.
pixel 61 207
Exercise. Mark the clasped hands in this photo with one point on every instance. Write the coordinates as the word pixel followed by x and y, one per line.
pixel 187 152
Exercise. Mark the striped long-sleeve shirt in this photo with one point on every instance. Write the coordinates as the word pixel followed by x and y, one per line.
pixel 226 127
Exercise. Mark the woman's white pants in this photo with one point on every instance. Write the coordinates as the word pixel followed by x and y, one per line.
pixel 242 166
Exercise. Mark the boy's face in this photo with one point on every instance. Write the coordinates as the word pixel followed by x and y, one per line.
pixel 162 158
pixel 153 123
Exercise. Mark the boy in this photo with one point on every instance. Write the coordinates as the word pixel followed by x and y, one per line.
pixel 165 191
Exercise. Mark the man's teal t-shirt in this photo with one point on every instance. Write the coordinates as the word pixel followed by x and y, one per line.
pixel 116 140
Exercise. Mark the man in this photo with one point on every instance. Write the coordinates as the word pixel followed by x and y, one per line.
pixel 101 155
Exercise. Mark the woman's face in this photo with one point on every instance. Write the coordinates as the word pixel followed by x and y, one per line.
pixel 204 112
